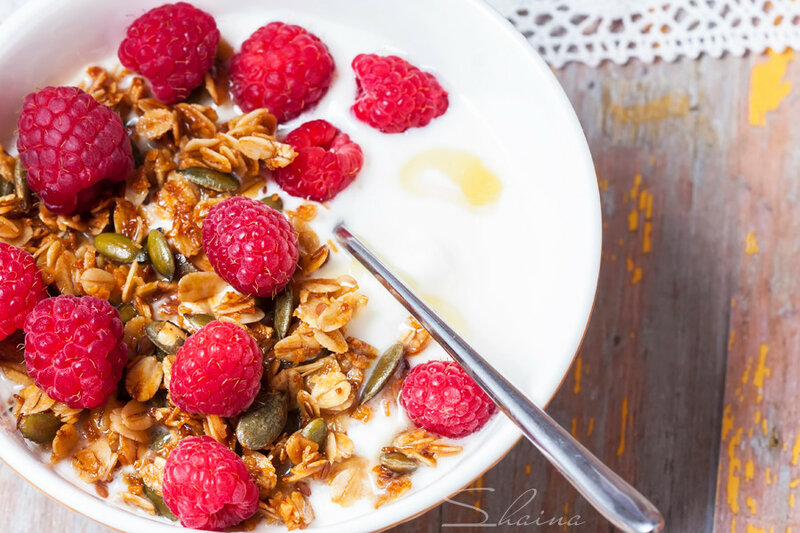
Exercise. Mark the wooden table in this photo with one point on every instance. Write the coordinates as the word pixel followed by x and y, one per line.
pixel 685 383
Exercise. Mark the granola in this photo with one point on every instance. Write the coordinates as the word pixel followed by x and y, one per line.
pixel 315 363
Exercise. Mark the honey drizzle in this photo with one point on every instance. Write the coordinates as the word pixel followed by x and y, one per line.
pixel 478 185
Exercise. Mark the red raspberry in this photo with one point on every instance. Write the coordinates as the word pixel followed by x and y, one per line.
pixel 74 349
pixel 441 398
pixel 283 68
pixel 251 246
pixel 21 288
pixel 71 146
pixel 217 371
pixel 327 161
pixel 208 486
pixel 394 95
pixel 173 46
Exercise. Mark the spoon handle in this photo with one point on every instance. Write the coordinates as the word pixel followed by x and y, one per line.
pixel 618 501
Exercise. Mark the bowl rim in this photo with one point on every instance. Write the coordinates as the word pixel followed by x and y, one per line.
pixel 104 512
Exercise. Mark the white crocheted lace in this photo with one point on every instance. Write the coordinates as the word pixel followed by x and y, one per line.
pixel 591 31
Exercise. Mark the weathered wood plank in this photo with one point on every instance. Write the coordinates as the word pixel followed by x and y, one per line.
pixel 759 473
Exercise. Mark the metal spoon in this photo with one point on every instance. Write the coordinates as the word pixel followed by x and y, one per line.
pixel 618 501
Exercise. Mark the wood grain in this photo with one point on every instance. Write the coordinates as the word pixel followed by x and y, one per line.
pixel 684 179
pixel 759 473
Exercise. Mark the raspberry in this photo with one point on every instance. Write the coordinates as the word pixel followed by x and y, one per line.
pixel 208 486
pixel 251 246
pixel 74 349
pixel 21 288
pixel 71 146
pixel 173 46
pixel 327 161
pixel 217 371
pixel 441 398
pixel 283 68
pixel 394 95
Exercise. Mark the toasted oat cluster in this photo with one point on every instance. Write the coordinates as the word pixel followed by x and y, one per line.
pixel 318 370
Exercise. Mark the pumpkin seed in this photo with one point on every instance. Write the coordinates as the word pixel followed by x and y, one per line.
pixel 159 400
pixel 6 187
pixel 160 255
pixel 158 503
pixel 119 248
pixel 274 201
pixel 316 430
pixel 198 321
pixel 21 186
pixel 384 369
pixel 311 359
pixel 160 438
pixel 183 266
pixel 39 427
pixel 127 312
pixel 284 307
pixel 263 422
pixel 398 462
pixel 165 335
pixel 210 178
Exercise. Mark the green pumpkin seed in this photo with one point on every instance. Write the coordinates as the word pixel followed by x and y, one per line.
pixel 274 201
pixel 165 335
pixel 263 422
pixel 160 438
pixel 210 179
pixel 21 186
pixel 6 187
pixel 39 427
pixel 157 401
pixel 316 430
pixel 284 307
pixel 158 503
pixel 198 321
pixel 183 266
pixel 127 312
pixel 398 462
pixel 160 254
pixel 384 369
pixel 119 248
pixel 311 359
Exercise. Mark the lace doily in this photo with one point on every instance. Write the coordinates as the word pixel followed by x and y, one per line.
pixel 591 31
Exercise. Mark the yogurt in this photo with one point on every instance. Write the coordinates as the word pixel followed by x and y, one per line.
pixel 440 204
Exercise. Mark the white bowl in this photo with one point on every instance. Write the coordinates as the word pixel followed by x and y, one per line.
pixel 487 66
